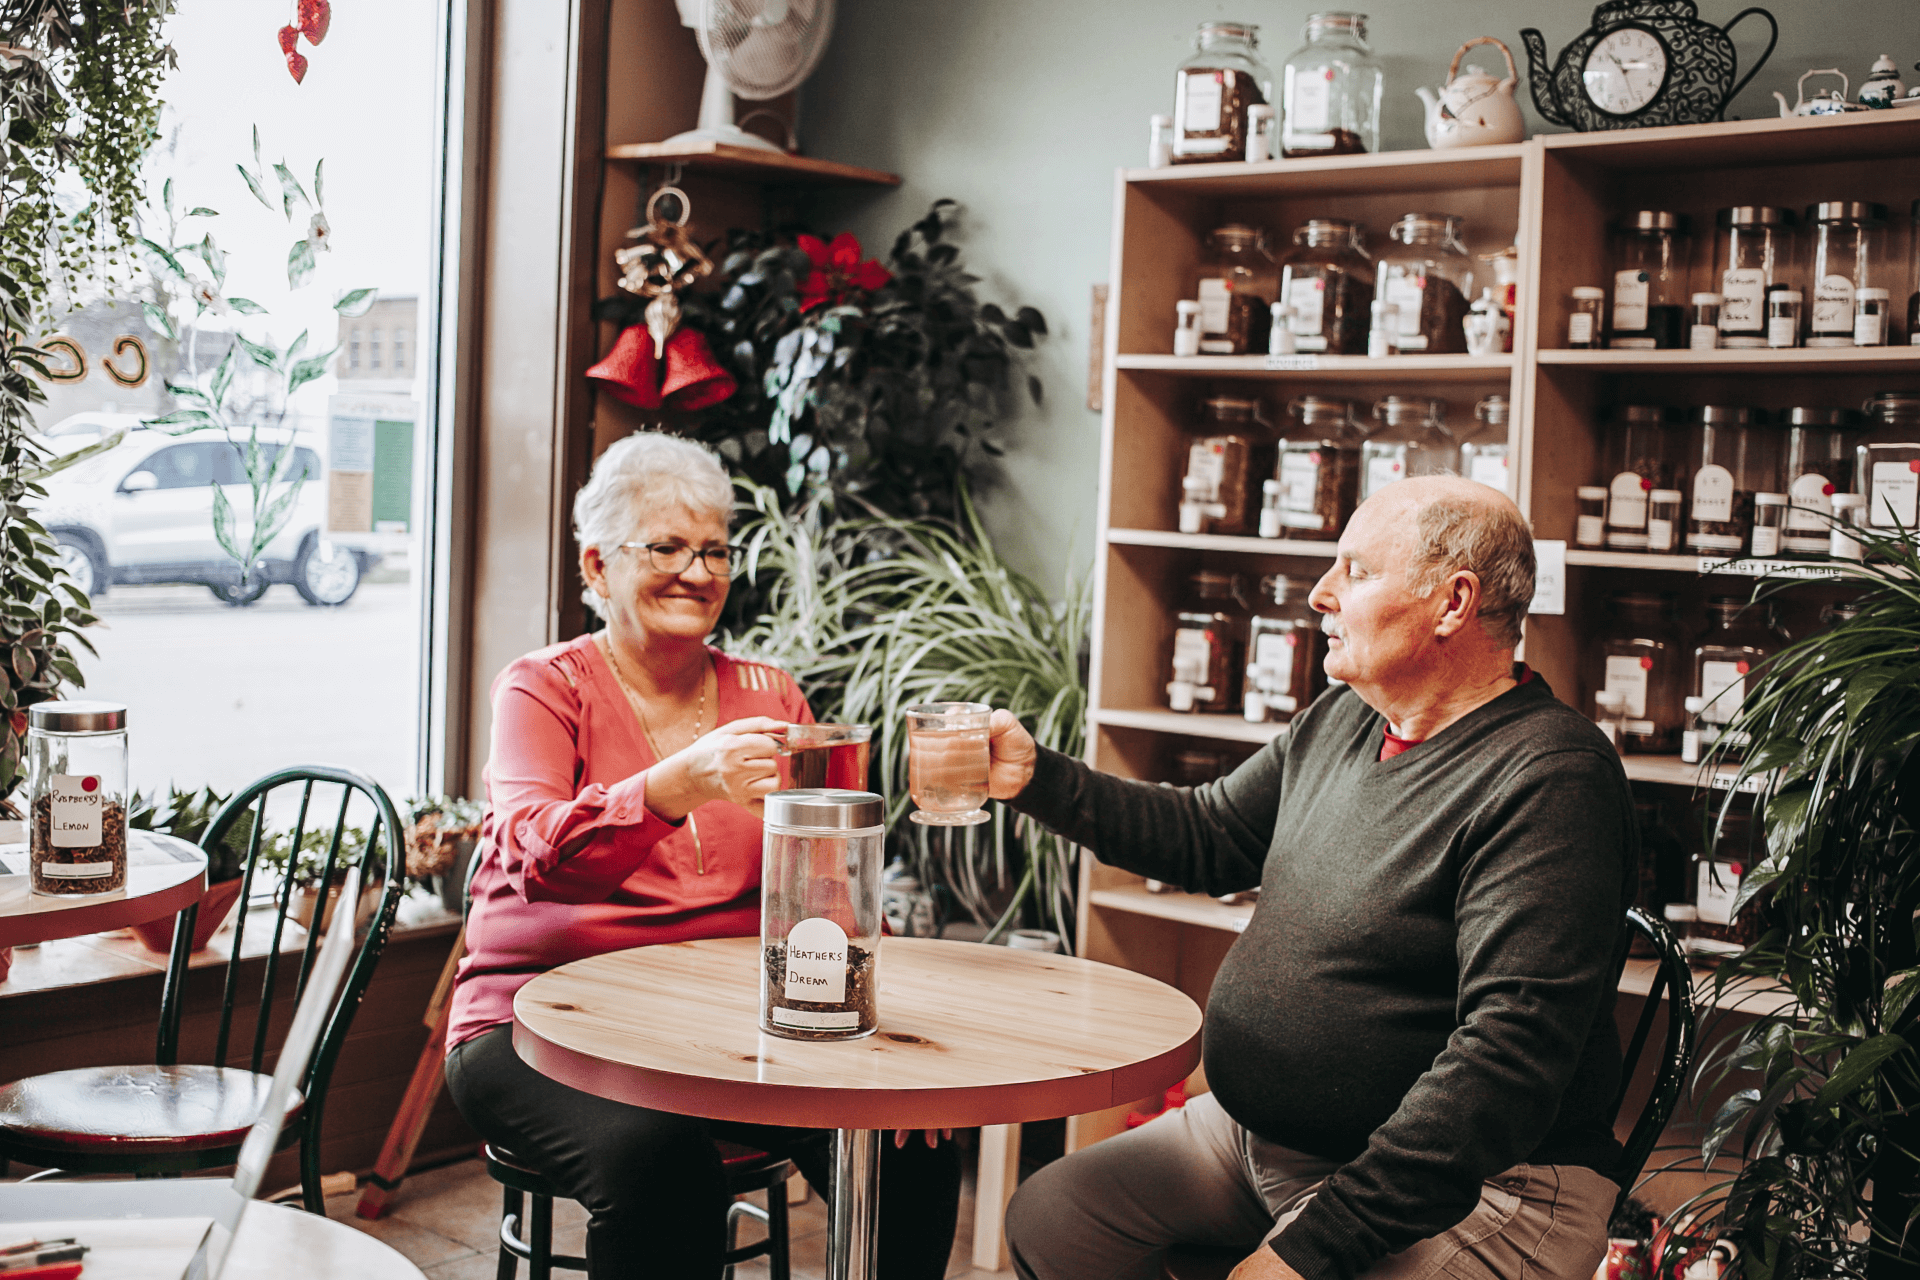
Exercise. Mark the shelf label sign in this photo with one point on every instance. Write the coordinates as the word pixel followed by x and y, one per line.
pixel 1550 576
pixel 1294 362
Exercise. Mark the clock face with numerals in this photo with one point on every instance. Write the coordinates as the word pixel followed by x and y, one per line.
pixel 1626 70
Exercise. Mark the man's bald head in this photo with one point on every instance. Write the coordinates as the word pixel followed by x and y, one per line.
pixel 1454 523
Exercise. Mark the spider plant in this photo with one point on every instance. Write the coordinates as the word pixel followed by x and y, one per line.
pixel 875 615
pixel 1826 1121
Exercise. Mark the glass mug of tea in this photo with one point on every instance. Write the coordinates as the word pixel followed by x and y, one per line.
pixel 947 756
pixel 832 756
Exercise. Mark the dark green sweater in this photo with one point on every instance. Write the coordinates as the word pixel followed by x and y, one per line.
pixel 1425 990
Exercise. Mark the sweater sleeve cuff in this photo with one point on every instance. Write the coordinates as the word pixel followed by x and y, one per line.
pixel 1322 1244
pixel 1051 794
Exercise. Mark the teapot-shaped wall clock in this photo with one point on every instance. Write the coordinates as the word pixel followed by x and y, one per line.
pixel 1642 63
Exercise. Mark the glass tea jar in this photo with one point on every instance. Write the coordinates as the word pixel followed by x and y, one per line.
pixel 77 789
pixel 1212 90
pixel 1650 248
pixel 1640 658
pixel 1785 310
pixel 1847 249
pixel 1327 278
pixel 1412 441
pixel 1912 331
pixel 823 857
pixel 1209 636
pixel 1425 273
pixel 1819 464
pixel 1753 254
pixel 1485 452
pixel 1664 520
pixel 1232 448
pixel 1235 288
pixel 1636 459
pixel 1330 90
pixel 1887 470
pixel 1317 479
pixel 1739 638
pixel 1731 456
pixel 1586 317
pixel 1285 650
pixel 1713 885
pixel 1769 524
pixel 1590 516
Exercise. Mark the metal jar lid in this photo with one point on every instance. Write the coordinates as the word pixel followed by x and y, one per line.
pixel 1804 415
pixel 1314 409
pixel 1651 414
pixel 825 808
pixel 1754 215
pixel 78 717
pixel 1492 410
pixel 1729 415
pixel 1655 220
pixel 1865 212
pixel 1232 408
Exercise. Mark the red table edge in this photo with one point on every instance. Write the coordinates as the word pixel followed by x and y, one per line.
pixel 118 913
pixel 821 1107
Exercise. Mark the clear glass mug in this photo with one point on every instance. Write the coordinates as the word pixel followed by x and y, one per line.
pixel 825 755
pixel 947 757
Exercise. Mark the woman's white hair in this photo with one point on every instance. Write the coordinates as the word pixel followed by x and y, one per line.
pixel 638 476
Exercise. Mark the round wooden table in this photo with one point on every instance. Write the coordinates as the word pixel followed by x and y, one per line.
pixel 969 1035
pixel 275 1241
pixel 164 877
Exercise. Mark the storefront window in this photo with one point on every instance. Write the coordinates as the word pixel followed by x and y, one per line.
pixel 286 219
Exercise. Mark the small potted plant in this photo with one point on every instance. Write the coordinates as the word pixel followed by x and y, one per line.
pixel 442 832
pixel 186 815
pixel 307 866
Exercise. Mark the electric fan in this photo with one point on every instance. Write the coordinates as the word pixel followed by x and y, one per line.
pixel 756 49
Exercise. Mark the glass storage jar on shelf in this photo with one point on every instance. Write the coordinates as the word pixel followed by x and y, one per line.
pixel 1650 249
pixel 1847 249
pixel 1212 90
pixel 1484 453
pixel 1209 637
pixel 1425 273
pixel 1713 885
pixel 1640 658
pixel 1664 521
pixel 1233 449
pixel 1731 456
pixel 1327 278
pixel 1887 471
pixel 1911 334
pixel 1637 458
pixel 1285 650
pixel 1753 255
pixel 1412 440
pixel 1739 637
pixel 1236 288
pixel 1316 483
pixel 1330 90
pixel 1819 464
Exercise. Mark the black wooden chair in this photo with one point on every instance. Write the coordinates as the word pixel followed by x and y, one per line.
pixel 1671 979
pixel 169 1117
pixel 527 1231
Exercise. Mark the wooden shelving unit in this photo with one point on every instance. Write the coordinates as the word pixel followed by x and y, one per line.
pixel 752 164
pixel 1558 192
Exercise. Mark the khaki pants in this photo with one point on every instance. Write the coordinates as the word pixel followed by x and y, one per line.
pixel 1193 1176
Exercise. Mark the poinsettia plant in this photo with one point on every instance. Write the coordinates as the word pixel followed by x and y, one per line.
pixel 887 380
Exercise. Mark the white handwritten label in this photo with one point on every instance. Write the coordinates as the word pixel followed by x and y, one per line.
pixel 1893 495
pixel 817 962
pixel 1743 311
pixel 1630 301
pixel 1627 674
pixel 76 813
pixel 1549 576
pixel 1713 494
pixel 1204 93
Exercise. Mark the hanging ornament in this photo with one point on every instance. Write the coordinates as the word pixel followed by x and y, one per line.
pixel 661 365
pixel 315 17
pixel 311 19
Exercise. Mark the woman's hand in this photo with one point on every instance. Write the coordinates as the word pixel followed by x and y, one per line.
pixel 1012 755
pixel 735 763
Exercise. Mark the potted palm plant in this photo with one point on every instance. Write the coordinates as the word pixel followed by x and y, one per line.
pixel 1827 1086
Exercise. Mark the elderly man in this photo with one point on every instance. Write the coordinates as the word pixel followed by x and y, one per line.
pixel 1411 1048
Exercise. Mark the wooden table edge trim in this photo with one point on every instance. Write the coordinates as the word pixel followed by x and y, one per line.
pixel 19 930
pixel 755 1102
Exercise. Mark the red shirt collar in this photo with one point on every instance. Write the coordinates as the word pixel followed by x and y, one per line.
pixel 1394 745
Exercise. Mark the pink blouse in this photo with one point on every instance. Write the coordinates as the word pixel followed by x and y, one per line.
pixel 572 863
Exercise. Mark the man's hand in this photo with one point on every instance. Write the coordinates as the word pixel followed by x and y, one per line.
pixel 1263 1264
pixel 1010 767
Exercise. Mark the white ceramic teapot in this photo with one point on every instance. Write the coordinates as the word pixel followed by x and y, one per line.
pixel 1474 109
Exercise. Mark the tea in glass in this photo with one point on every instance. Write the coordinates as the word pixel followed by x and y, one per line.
pixel 825 755
pixel 947 757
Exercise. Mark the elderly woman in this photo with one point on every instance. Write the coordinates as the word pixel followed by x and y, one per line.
pixel 623 787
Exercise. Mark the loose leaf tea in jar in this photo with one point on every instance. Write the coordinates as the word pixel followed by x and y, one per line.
pixel 1318 472
pixel 1820 451
pixel 1635 461
pixel 1649 280
pixel 77 781
pixel 1328 281
pixel 1640 658
pixel 1425 273
pixel 823 853
pixel 1235 289
pixel 1209 636
pixel 1331 90
pixel 1234 445
pixel 1731 457
pixel 1213 89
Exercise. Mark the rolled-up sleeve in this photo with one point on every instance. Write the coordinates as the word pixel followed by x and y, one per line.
pixel 556 843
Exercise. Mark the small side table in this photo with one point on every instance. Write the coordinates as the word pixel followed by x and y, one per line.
pixel 164 877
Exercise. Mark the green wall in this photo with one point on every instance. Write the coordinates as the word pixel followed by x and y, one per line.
pixel 1022 109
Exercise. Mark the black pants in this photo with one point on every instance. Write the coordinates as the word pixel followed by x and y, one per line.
pixel 652 1182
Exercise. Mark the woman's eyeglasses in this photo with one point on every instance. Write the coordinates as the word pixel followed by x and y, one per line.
pixel 677 557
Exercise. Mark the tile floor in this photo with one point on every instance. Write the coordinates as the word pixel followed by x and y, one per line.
pixel 446 1221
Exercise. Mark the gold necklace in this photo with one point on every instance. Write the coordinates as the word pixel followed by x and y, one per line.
pixel 640 710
